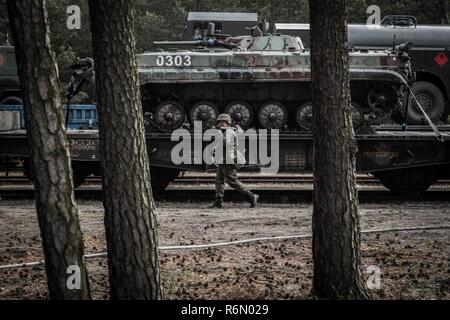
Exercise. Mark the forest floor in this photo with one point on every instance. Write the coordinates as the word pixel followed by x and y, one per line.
pixel 413 264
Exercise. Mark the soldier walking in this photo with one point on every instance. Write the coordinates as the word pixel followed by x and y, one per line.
pixel 229 164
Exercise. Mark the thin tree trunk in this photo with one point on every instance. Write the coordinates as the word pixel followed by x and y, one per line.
pixel 336 233
pixel 50 161
pixel 129 208
pixel 443 7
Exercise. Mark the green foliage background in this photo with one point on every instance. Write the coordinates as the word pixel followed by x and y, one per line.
pixel 165 19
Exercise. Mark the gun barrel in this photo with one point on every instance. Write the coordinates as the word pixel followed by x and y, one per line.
pixel 204 43
pixel 179 43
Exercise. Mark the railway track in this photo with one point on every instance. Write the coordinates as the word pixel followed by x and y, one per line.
pixel 200 179
pixel 256 179
pixel 200 187
pixel 272 195
pixel 207 179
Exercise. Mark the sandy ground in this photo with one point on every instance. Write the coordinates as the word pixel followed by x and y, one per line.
pixel 414 265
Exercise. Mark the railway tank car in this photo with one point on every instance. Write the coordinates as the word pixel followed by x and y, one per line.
pixel 429 54
pixel 262 81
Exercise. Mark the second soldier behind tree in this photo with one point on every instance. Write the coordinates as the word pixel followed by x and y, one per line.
pixel 229 163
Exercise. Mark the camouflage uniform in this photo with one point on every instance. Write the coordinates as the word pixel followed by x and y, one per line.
pixel 227 172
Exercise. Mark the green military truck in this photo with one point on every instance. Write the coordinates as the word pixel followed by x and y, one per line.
pixel 430 56
pixel 9 80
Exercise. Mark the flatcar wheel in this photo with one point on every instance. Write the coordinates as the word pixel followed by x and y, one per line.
pixel 82 170
pixel 206 112
pixel 305 116
pixel 79 172
pixel 272 115
pixel 12 100
pixel 161 178
pixel 241 113
pixel 407 182
pixel 27 168
pixel 79 177
pixel 169 115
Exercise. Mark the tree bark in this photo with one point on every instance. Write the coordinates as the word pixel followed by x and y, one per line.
pixel 129 208
pixel 336 232
pixel 50 160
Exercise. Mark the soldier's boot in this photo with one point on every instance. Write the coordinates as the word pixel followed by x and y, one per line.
pixel 252 198
pixel 218 203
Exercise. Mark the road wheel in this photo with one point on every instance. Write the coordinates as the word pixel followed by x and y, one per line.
pixel 241 113
pixel 357 117
pixel 305 116
pixel 272 115
pixel 206 112
pixel 169 115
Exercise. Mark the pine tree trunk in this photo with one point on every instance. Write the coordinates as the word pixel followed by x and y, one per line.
pixel 129 208
pixel 50 161
pixel 336 233
pixel 443 7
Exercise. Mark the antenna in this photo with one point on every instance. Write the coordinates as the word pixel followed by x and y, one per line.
pixel 393 43
pixel 7 43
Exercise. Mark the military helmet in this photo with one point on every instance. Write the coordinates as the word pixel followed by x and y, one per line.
pixel 224 117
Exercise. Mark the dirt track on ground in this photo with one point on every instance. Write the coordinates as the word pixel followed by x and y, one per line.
pixel 414 265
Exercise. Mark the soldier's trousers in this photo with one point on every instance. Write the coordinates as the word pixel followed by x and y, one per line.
pixel 228 174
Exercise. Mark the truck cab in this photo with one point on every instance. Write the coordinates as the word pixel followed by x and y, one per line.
pixel 9 80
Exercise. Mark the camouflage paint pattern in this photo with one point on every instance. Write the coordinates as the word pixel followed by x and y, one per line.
pixel 261 63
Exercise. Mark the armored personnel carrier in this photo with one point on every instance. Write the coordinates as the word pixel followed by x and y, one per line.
pixel 262 81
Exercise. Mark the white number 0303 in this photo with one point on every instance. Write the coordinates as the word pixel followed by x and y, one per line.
pixel 170 61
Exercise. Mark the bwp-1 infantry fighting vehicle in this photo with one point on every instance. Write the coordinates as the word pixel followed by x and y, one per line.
pixel 262 81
